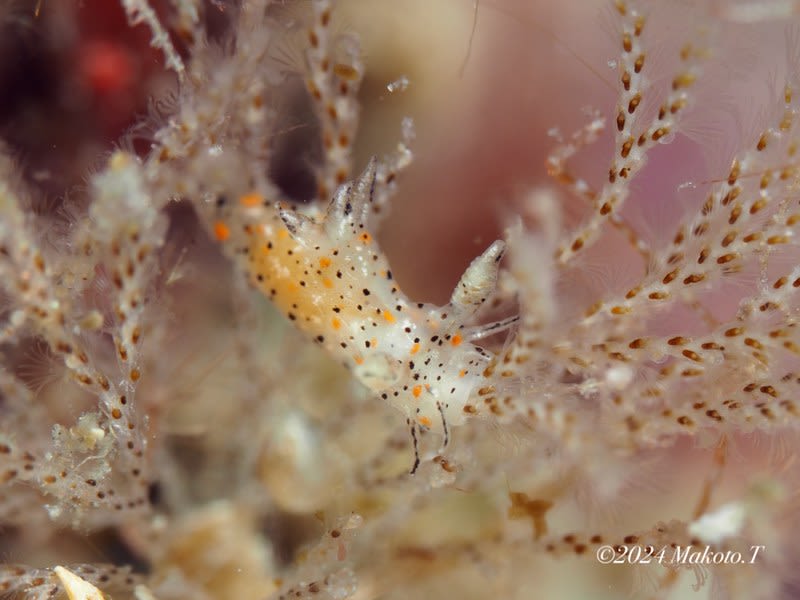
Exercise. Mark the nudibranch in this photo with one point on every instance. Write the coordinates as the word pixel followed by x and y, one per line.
pixel 326 273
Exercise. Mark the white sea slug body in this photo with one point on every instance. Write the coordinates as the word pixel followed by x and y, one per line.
pixel 327 274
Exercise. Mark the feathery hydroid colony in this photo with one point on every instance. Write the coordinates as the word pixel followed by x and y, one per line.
pixel 592 388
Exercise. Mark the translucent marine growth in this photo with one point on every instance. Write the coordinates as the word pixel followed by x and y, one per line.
pixel 326 273
pixel 217 482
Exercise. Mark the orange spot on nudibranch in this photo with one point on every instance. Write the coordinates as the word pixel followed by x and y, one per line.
pixel 456 340
pixel 324 262
pixel 251 200
pixel 424 421
pixel 221 231
pixel 336 323
pixel 327 283
pixel 359 360
pixel 417 391
pixel 365 237
pixel 462 372
pixel 388 316
pixel 415 348
pixel 283 234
